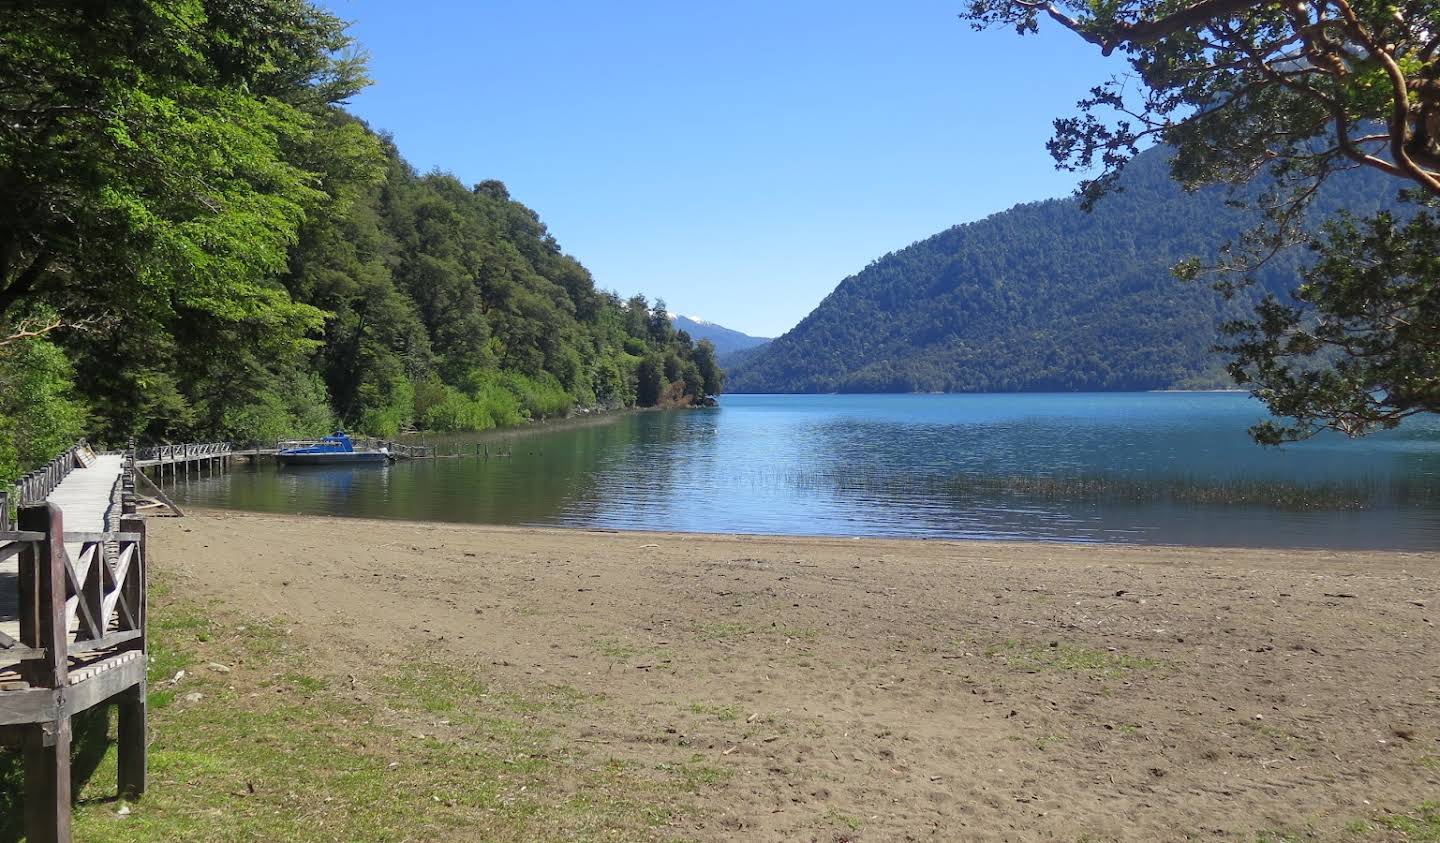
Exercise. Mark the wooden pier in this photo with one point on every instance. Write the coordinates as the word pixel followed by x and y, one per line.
pixel 181 460
pixel 72 624
pixel 73 610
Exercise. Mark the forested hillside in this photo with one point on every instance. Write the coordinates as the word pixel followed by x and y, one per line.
pixel 1042 297
pixel 198 241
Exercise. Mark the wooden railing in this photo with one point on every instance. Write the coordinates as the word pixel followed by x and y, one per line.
pixel 409 452
pixel 101 594
pixel 184 453
pixel 82 640
pixel 37 485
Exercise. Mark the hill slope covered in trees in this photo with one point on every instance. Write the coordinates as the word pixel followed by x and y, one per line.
pixel 1041 297
pixel 198 241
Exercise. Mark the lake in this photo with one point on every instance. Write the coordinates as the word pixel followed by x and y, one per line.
pixel 1167 468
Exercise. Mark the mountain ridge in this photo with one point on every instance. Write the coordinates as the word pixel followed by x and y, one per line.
pixel 1040 297
pixel 726 340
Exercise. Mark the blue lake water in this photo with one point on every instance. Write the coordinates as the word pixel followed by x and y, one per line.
pixel 1171 468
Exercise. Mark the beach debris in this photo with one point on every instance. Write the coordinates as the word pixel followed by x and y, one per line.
pixel 1340 594
pixel 649 545
pixel 175 680
pixel 123 810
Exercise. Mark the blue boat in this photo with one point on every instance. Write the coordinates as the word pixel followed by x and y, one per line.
pixel 334 449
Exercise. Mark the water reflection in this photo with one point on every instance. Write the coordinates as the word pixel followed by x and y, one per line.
pixel 1164 468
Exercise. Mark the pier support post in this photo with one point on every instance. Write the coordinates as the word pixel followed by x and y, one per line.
pixel 131 752
pixel 130 746
pixel 47 782
pixel 42 625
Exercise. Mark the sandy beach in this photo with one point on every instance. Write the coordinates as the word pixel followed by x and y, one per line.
pixel 897 690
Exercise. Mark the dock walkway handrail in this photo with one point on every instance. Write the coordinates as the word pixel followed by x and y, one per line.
pixel 400 449
pixel 36 486
pixel 101 590
pixel 184 452
pixel 100 594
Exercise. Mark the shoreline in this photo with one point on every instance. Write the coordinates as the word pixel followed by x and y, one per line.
pixel 1357 555
pixel 834 688
pixel 531 427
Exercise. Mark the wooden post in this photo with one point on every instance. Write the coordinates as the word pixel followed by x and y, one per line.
pixel 131 740
pixel 130 744
pixel 127 483
pixel 47 782
pixel 42 624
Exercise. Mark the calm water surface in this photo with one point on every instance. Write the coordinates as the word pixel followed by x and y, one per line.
pixel 1148 467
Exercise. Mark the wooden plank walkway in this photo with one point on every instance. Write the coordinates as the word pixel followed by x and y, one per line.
pixel 90 502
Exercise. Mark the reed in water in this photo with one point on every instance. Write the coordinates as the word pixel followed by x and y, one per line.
pixel 1345 494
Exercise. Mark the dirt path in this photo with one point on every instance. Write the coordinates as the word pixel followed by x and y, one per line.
pixel 893 690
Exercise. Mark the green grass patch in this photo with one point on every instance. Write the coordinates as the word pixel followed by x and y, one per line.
pixel 1419 826
pixel 274 750
pixel 850 822
pixel 614 648
pixel 727 713
pixel 1044 742
pixel 694 775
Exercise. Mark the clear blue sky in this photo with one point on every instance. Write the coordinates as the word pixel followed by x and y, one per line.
pixel 738 158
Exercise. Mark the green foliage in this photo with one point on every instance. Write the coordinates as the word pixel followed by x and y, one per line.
pixel 156 177
pixel 707 368
pixel 651 381
pixel 489 399
pixel 1300 93
pixel 230 254
pixel 386 412
pixel 1042 297
pixel 1354 350
pixel 40 414
pixel 542 397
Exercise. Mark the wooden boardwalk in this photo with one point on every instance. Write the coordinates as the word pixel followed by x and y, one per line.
pixel 89 497
pixel 72 624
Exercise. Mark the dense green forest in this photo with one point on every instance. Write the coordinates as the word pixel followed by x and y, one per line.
pixel 1042 297
pixel 198 241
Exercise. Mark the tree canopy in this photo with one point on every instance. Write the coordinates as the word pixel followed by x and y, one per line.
pixel 197 240
pixel 1296 92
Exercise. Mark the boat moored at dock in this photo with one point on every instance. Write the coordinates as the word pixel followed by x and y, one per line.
pixel 335 449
